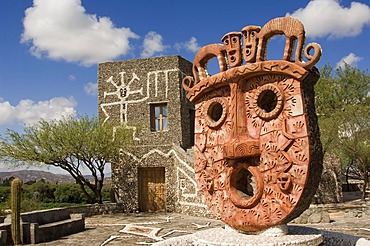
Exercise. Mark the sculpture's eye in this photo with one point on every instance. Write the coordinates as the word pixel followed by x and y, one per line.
pixel 235 40
pixel 253 33
pixel 216 111
pixel 226 41
pixel 268 101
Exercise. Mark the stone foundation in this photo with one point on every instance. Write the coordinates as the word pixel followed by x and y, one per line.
pixel 218 236
pixel 297 235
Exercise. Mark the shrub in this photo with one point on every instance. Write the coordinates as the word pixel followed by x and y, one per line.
pixel 69 193
pixel 41 191
pixel 4 193
pixel 28 205
pixel 106 193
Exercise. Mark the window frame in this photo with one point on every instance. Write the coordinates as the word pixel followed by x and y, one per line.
pixel 161 118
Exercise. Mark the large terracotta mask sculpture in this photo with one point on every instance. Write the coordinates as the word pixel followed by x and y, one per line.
pixel 257 153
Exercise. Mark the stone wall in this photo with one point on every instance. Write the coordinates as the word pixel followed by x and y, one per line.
pixel 96 209
pixel 127 89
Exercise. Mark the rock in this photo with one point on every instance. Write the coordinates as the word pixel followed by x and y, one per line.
pixel 325 217
pixel 313 216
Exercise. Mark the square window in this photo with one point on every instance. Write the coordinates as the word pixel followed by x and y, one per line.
pixel 158 117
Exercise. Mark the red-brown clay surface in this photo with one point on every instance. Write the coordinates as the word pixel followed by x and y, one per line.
pixel 257 151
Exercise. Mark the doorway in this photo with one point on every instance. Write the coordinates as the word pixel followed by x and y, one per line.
pixel 152 191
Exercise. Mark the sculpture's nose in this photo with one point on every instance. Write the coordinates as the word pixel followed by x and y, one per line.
pixel 242 147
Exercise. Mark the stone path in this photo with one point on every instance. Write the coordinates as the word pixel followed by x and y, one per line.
pixel 145 229
pixel 135 229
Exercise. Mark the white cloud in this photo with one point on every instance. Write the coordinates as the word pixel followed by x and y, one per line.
pixel 327 18
pixel 351 59
pixel 91 89
pixel 152 44
pixel 62 30
pixel 30 112
pixel 191 45
pixel 71 77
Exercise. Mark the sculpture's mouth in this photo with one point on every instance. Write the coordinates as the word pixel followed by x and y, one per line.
pixel 246 184
pixel 234 57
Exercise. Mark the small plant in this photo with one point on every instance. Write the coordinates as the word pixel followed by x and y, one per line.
pixel 16 210
pixel 2 211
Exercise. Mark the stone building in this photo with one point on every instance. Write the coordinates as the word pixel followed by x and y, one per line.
pixel 157 173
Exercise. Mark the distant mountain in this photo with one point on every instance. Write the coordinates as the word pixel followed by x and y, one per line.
pixel 35 175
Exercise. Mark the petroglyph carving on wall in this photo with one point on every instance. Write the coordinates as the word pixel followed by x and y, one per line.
pixel 257 153
pixel 130 90
pixel 126 95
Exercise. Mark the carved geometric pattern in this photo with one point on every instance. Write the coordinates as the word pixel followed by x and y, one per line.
pixel 252 143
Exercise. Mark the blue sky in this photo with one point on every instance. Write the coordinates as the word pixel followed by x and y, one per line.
pixel 49 49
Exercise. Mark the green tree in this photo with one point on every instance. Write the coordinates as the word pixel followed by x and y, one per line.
pixel 355 148
pixel 68 193
pixel 40 191
pixel 82 147
pixel 343 108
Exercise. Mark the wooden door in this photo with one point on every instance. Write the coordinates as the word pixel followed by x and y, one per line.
pixel 152 192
